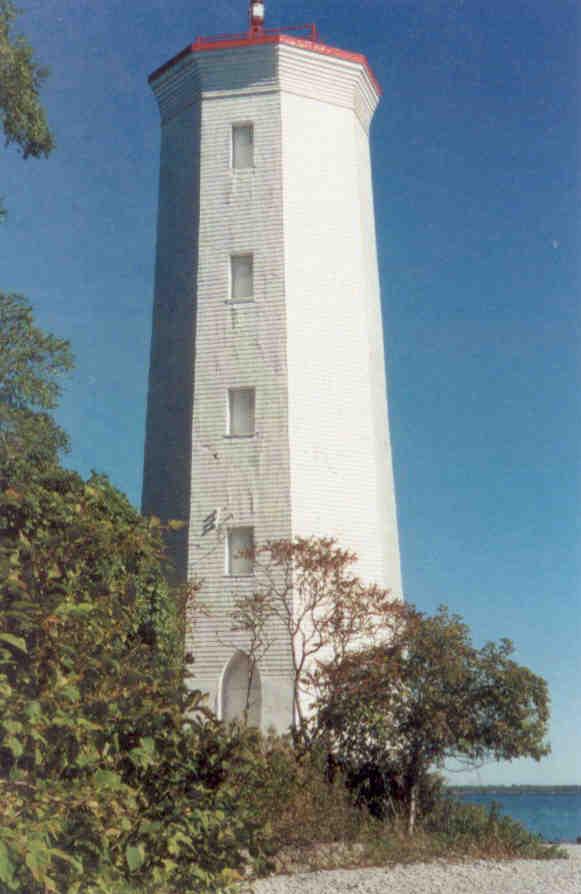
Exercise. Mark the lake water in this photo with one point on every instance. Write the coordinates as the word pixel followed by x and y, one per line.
pixel 554 815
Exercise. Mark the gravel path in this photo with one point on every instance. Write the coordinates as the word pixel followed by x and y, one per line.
pixel 482 877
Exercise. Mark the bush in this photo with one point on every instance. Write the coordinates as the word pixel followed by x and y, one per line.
pixel 112 777
pixel 426 695
pixel 471 829
pixel 301 804
pixel 199 828
pixel 382 791
pixel 321 814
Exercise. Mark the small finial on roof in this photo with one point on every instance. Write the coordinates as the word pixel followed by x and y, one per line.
pixel 256 16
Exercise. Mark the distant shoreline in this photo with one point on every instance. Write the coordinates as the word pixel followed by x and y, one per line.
pixel 514 789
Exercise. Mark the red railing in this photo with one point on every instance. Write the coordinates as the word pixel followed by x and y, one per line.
pixel 310 31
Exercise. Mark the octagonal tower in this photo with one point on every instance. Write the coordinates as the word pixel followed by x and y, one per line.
pixel 267 409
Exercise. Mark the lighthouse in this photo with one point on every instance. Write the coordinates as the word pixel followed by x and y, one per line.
pixel 267 407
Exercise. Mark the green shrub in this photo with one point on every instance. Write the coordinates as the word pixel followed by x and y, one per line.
pixel 381 790
pixel 299 803
pixel 471 829
pixel 112 777
pixel 198 822
pixel 425 695
pixel 322 814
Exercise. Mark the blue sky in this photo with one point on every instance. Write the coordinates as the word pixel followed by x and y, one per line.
pixel 475 154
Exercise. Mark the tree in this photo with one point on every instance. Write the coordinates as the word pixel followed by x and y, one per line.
pixel 21 77
pixel 427 695
pixel 306 594
pixel 251 615
pixel 30 363
pixel 78 569
pixel 113 777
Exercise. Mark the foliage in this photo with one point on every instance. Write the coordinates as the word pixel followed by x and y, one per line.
pixel 306 590
pixel 21 114
pixel 109 779
pixel 30 363
pixel 21 77
pixel 407 704
pixel 379 788
pixel 112 777
pixel 299 800
pixel 307 804
pixel 252 616
pixel 473 830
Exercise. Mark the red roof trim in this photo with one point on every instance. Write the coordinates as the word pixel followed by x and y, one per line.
pixel 312 46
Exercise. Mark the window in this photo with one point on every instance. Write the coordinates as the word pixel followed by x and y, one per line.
pixel 241 278
pixel 242 146
pixel 241 411
pixel 239 548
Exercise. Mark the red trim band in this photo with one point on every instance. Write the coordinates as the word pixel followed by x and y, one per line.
pixel 226 43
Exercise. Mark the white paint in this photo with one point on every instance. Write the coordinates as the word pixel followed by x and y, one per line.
pixel 310 341
pixel 241 690
pixel 341 482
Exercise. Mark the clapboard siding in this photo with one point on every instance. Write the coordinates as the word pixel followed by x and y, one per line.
pixel 309 342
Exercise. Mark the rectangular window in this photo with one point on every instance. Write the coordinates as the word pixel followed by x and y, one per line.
pixel 241 403
pixel 239 551
pixel 241 277
pixel 242 146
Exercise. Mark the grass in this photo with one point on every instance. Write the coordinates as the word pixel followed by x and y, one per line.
pixel 316 825
pixel 384 844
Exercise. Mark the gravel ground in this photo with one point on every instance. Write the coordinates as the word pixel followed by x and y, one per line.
pixel 482 877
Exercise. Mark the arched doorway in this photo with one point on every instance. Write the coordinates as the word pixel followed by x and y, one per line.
pixel 236 693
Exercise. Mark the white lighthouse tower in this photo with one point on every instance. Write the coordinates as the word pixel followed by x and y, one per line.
pixel 267 411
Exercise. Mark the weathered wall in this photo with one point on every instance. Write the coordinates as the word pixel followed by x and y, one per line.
pixel 239 344
pixel 310 342
pixel 171 372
